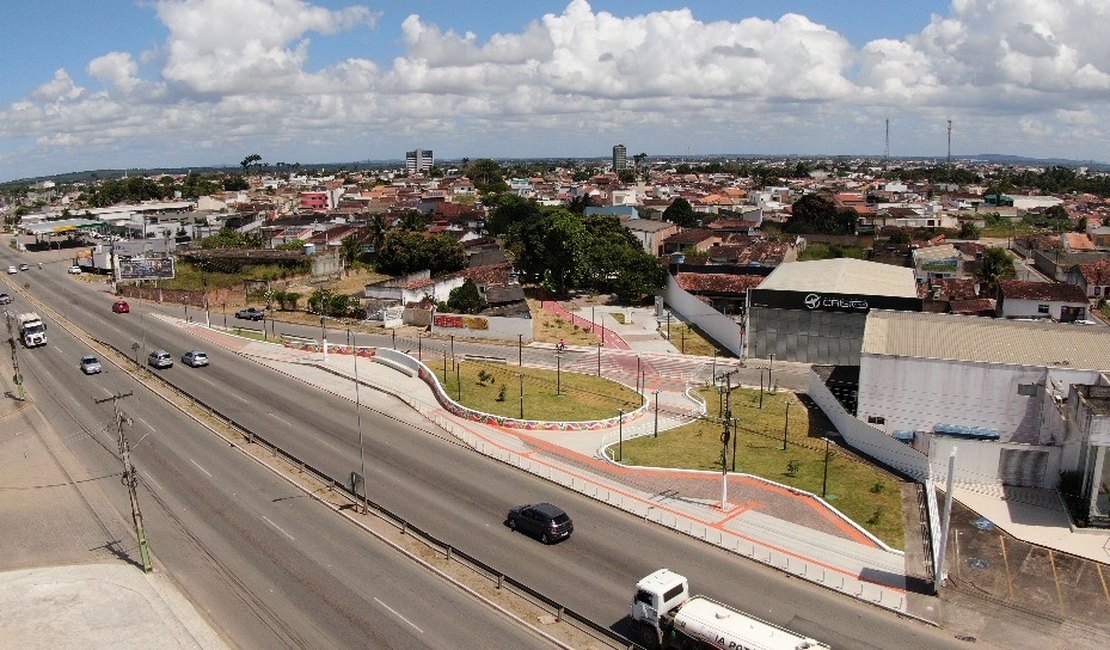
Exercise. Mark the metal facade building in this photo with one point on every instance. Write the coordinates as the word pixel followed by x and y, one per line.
pixel 815 312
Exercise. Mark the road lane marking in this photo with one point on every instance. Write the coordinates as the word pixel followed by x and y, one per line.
pixel 280 419
pixel 278 527
pixel 146 423
pixel 200 468
pixel 147 477
pixel 395 613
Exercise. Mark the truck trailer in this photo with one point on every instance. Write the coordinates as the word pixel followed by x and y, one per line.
pixel 669 617
pixel 32 330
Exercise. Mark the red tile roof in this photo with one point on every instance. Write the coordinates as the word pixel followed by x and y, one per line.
pixel 1051 291
pixel 718 283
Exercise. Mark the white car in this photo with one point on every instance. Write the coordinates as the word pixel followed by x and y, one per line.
pixel 74 270
pixel 12 270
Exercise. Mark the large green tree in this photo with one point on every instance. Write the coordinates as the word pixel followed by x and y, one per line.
pixel 506 210
pixel 404 252
pixel 997 265
pixel 487 175
pixel 815 214
pixel 681 213
pixel 465 299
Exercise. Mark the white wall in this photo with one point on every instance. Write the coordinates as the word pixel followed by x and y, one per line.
pixel 1018 308
pixel 719 327
pixel 484 327
pixel 866 438
pixel 915 394
pixel 977 460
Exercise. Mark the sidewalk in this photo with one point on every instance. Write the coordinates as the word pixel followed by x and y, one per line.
pixel 771 523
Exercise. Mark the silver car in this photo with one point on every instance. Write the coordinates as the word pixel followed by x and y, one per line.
pixel 160 359
pixel 90 365
pixel 195 358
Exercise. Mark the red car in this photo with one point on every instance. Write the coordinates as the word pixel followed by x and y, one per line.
pixel 121 307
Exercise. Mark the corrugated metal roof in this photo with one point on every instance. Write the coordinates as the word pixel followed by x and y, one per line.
pixel 986 340
pixel 843 275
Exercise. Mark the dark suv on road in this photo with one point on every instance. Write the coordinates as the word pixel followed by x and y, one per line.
pixel 543 520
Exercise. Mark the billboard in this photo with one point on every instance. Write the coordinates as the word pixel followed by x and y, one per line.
pixel 146 268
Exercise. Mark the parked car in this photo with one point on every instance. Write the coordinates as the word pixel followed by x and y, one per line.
pixel 543 520
pixel 74 270
pixel 12 270
pixel 90 365
pixel 195 358
pixel 121 307
pixel 160 359
pixel 5 299
pixel 251 313
pixel 24 267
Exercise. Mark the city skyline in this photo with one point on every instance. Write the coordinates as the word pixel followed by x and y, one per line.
pixel 178 83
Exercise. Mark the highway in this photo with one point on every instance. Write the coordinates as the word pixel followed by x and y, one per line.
pixel 267 565
pixel 437 484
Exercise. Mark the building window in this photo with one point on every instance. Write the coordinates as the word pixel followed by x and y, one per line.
pixel 1042 309
pixel 1029 390
pixel 1098 291
pixel 876 419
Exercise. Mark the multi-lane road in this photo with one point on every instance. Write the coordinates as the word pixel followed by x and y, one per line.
pixel 269 568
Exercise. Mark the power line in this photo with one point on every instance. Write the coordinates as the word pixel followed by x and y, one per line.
pixel 129 477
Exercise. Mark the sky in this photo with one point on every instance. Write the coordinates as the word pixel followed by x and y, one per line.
pixel 157 83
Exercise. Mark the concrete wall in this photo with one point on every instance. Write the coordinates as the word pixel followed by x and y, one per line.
pixel 915 394
pixel 716 325
pixel 865 438
pixel 977 461
pixel 822 337
pixel 1020 308
pixel 483 327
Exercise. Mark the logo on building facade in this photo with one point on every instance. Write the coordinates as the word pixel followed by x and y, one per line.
pixel 814 301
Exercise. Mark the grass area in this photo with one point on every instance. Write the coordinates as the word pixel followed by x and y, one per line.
pixel 619 317
pixel 821 251
pixel 549 328
pixel 189 277
pixel 548 395
pixel 869 496
pixel 689 339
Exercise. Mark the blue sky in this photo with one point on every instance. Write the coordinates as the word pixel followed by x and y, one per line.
pixel 126 83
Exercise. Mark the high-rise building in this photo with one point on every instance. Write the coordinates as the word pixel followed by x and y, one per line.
pixel 620 158
pixel 419 161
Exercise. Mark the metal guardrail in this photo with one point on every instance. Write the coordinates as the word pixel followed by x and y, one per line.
pixel 561 612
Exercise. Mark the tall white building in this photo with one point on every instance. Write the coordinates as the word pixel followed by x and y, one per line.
pixel 419 161
pixel 620 158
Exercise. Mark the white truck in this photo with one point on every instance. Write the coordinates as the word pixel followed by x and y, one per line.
pixel 667 615
pixel 32 330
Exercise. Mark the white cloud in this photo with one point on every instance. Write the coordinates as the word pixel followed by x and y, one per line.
pixel 117 69
pixel 60 88
pixel 1027 76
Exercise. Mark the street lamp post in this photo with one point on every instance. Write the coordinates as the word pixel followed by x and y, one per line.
pixel 599 358
pixel 620 434
pixel 323 338
pixel 522 396
pixel 452 349
pixel 656 414
pixel 761 388
pixel 786 426
pixel 770 366
pixel 358 423
pixel 558 374
pixel 458 383
pixel 825 478
pixel 519 350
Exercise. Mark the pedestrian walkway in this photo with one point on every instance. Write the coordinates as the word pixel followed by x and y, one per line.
pixel 603 326
pixel 774 524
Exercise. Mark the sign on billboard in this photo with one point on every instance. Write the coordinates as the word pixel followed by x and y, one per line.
pixel 146 268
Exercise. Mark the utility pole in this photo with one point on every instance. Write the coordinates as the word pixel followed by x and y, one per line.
pixel 17 377
pixel 727 434
pixel 130 479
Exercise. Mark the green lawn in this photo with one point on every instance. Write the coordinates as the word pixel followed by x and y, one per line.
pixel 689 339
pixel 548 395
pixel 869 496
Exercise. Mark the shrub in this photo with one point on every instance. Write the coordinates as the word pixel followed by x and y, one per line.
pixel 501 393
pixel 792 467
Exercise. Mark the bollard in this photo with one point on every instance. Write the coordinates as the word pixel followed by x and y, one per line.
pixel 404 527
pixel 448 554
pixel 500 578
pixel 559 616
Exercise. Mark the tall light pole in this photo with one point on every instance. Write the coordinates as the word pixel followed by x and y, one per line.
pixel 656 413
pixel 558 374
pixel 620 434
pixel 522 396
pixel 786 427
pixel 825 478
pixel 770 366
pixel 324 338
pixel 358 423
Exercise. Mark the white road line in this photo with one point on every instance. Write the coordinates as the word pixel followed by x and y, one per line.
pixel 278 527
pixel 394 612
pixel 239 397
pixel 280 419
pixel 200 468
pixel 147 477
pixel 146 423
